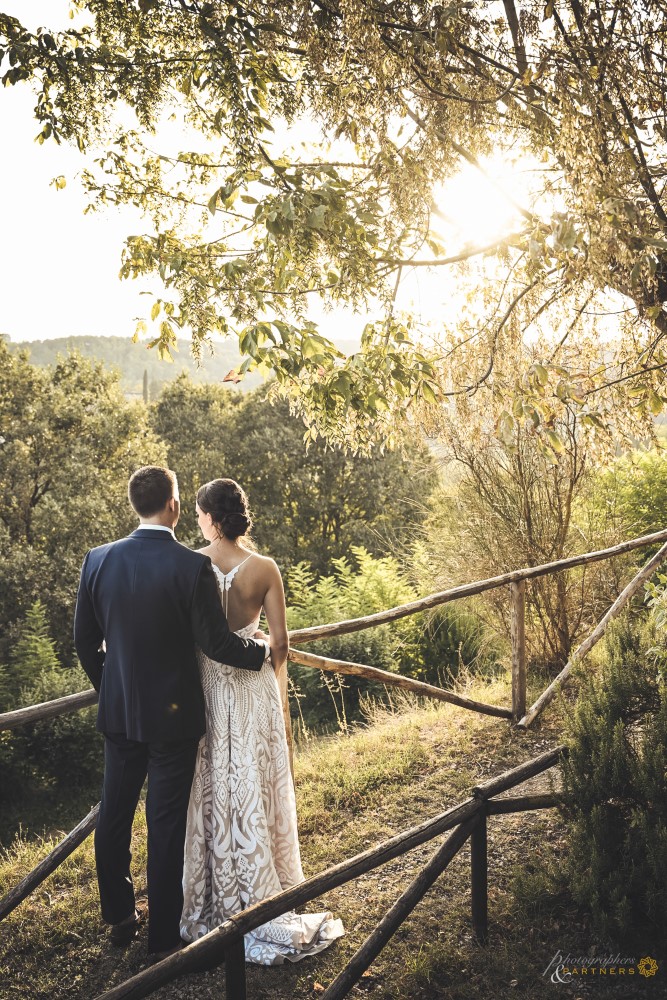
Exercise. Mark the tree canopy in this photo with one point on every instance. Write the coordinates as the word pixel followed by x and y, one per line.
pixel 246 230
pixel 308 505
pixel 69 443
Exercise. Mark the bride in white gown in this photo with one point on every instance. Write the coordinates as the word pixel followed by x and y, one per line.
pixel 241 843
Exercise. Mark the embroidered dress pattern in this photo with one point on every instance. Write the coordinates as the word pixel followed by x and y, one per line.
pixel 242 841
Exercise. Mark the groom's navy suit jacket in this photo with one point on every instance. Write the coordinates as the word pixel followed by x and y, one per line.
pixel 152 600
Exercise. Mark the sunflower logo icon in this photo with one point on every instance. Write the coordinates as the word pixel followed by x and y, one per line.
pixel 647 966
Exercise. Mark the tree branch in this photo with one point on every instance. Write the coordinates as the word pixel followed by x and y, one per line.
pixel 464 255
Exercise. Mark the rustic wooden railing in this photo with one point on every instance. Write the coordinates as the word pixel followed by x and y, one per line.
pixel 225 943
pixel 467 819
pixel 515 580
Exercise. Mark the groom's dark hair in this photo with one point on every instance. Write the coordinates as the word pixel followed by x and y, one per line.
pixel 150 489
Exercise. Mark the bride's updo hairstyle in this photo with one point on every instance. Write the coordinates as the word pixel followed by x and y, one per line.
pixel 227 504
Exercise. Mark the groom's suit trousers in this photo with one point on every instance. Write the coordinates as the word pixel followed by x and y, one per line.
pixel 170 769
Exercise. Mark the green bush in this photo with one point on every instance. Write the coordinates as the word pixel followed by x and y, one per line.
pixel 66 752
pixel 615 788
pixel 33 656
pixel 632 495
pixel 429 647
pixel 57 754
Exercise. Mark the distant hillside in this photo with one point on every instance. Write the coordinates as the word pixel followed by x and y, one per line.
pixel 132 360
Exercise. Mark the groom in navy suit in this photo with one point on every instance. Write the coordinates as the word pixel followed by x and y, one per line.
pixel 143 604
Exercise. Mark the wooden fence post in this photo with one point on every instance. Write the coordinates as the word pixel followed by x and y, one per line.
pixel 235 984
pixel 479 878
pixel 283 687
pixel 518 629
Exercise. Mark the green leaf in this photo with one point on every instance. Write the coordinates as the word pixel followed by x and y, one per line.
pixel 651 242
pixel 139 329
pixel 229 195
pixel 541 374
pixel 316 218
pixel 506 427
pixel 212 202
pixel 428 392
pixel 547 453
pixel 555 442
pixel 655 402
pixel 534 413
pixel 310 348
pixel 164 353
pixel 155 310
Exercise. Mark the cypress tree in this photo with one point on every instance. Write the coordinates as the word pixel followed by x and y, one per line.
pixel 33 656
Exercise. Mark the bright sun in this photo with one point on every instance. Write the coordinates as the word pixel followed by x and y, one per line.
pixel 472 208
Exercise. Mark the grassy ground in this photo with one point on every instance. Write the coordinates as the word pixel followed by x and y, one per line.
pixel 353 791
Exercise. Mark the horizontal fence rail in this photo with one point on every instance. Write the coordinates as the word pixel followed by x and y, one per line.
pixel 470 590
pixel 515 580
pixel 396 680
pixel 48 709
pixel 521 803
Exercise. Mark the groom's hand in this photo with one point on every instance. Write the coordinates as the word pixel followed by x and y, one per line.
pixel 263 637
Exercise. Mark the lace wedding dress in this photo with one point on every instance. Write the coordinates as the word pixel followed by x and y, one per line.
pixel 242 844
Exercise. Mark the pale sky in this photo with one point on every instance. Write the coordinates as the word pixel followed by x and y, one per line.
pixel 59 267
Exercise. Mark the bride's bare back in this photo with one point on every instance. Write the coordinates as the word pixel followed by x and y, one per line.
pixel 253 582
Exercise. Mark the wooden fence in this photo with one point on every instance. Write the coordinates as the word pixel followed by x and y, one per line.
pixel 515 581
pixel 467 820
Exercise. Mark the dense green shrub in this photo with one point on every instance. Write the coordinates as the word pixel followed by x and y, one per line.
pixel 70 441
pixel 615 786
pixel 32 656
pixel 429 647
pixel 628 499
pixel 58 754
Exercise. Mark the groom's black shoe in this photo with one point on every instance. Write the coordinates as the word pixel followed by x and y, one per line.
pixel 158 956
pixel 126 931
